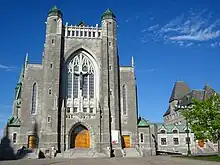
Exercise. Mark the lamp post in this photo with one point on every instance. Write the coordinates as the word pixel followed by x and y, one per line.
pixel 187 129
pixel 188 141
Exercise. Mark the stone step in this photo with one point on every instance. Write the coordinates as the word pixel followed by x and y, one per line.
pixel 99 155
pixel 77 153
pixel 80 153
pixel 131 152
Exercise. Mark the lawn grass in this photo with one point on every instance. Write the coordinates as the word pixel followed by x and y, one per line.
pixel 215 158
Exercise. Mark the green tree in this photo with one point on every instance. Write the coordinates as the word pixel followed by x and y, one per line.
pixel 204 118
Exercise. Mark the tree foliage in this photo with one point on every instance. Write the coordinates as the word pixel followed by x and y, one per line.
pixel 204 118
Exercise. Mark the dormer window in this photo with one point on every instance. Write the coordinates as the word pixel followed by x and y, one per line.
pixel 163 131
pixel 175 131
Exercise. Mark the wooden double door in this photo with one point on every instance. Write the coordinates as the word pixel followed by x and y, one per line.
pixel 126 141
pixel 32 141
pixel 80 137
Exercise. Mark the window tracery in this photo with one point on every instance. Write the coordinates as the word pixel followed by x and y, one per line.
pixel 81 81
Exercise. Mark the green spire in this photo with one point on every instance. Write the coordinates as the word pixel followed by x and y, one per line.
pixel 22 74
pixel 55 12
pixel 19 84
pixel 21 78
pixel 108 14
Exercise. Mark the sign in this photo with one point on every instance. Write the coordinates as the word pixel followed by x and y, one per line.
pixel 115 136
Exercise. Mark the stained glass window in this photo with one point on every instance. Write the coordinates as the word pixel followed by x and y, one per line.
pixel 80 77
pixel 124 97
pixel 34 99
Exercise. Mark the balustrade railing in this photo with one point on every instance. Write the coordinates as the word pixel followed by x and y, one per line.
pixel 82 31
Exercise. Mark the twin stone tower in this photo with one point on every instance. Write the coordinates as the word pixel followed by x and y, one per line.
pixel 79 97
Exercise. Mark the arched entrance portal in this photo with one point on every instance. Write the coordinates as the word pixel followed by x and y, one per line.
pixel 80 137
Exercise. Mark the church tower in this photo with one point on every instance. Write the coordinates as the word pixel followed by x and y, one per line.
pixel 51 76
pixel 110 56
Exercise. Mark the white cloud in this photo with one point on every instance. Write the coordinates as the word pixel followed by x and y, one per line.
pixel 4 66
pixel 3 118
pixel 143 30
pixel 215 44
pixel 5 112
pixel 7 68
pixel 5 106
pixel 151 70
pixel 154 27
pixel 198 37
pixel 189 44
pixel 132 19
pixel 192 28
pixel 146 70
pixel 144 40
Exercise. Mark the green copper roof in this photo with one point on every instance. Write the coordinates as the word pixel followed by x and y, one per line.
pixel 55 10
pixel 170 127
pixel 143 123
pixel 108 14
pixel 14 121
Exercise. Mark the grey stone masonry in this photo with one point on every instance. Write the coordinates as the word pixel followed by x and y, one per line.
pixel 78 90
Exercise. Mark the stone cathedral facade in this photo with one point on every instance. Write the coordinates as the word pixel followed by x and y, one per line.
pixel 79 97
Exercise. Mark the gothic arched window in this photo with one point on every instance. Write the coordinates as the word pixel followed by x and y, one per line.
pixel 34 99
pixel 80 77
pixel 124 99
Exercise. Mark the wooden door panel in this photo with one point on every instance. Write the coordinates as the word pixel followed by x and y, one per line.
pixel 201 143
pixel 126 141
pixel 82 139
pixel 32 141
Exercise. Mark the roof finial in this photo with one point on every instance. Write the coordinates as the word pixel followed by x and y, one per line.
pixel 132 61
pixel 108 14
pixel 55 12
pixel 26 59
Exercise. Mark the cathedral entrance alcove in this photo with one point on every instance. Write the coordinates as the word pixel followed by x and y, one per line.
pixel 80 137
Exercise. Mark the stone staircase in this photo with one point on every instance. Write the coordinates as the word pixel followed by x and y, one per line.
pixel 79 153
pixel 132 152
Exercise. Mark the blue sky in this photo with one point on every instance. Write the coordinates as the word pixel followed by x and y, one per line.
pixel 169 40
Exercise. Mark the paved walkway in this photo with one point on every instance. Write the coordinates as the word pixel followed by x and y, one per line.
pixel 154 160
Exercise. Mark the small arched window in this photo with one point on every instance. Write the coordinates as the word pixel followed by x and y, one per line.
pixel 175 131
pixel 124 99
pixel 14 137
pixel 141 138
pixel 34 99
